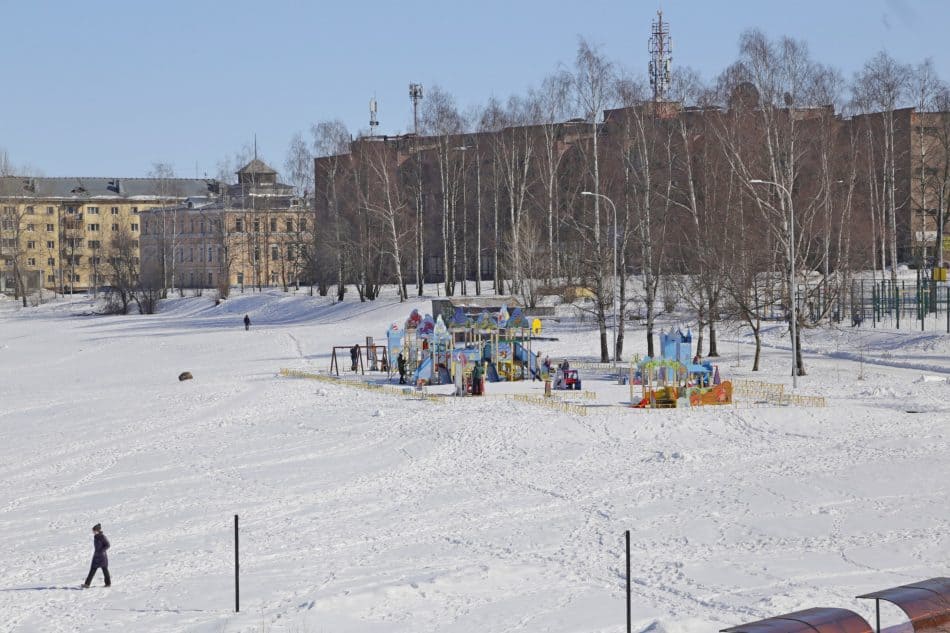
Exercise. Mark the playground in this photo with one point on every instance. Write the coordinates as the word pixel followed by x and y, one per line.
pixel 504 353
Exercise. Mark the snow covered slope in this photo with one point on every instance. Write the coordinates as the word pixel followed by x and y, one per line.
pixel 366 512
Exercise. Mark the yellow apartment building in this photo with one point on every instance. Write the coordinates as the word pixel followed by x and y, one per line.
pixel 55 233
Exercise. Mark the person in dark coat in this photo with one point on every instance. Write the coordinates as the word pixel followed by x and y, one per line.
pixel 100 560
pixel 477 380
pixel 355 356
pixel 401 362
pixel 247 323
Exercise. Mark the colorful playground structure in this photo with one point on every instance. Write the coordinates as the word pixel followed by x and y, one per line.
pixel 676 378
pixel 495 346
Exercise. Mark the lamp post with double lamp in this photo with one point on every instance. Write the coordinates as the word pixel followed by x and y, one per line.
pixel 615 288
pixel 792 321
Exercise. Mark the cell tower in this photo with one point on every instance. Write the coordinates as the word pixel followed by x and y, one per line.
pixel 415 94
pixel 373 122
pixel 661 49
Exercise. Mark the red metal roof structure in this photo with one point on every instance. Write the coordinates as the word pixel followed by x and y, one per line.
pixel 818 620
pixel 926 603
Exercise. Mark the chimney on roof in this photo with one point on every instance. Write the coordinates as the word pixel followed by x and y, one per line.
pixel 115 185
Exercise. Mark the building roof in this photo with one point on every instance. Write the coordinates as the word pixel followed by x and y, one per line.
pixel 256 166
pixel 89 189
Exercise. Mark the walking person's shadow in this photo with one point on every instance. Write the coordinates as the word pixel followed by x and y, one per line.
pixel 49 588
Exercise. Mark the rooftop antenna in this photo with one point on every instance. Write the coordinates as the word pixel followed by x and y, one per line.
pixel 660 47
pixel 373 122
pixel 415 94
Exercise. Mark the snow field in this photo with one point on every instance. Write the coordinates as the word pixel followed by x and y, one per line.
pixel 366 512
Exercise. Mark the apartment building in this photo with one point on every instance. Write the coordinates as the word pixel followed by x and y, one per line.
pixel 55 233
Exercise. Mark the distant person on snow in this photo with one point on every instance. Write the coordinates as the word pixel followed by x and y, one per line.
pixel 99 558
pixel 355 356
pixel 247 323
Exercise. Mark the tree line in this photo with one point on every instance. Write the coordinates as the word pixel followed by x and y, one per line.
pixel 589 187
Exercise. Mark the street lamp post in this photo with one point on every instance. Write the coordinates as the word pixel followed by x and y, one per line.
pixel 793 321
pixel 614 299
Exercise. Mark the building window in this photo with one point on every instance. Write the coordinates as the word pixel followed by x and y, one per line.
pixel 240 278
pixel 115 227
pixel 290 252
pixel 273 225
pixel 191 254
pixel 51 261
pixel 8 210
pixel 94 244
pixel 191 279
pixel 30 227
pixel 50 245
pixel 50 211
pixel 274 253
pixel 257 226
pixel 30 210
pixel 92 210
pixel 50 228
pixel 31 244
pixel 210 279
pixel 114 210
pixel 51 278
pixel 70 210
pixel 239 225
pixel 31 261
pixel 210 253
pixel 290 226
pixel 135 227
pixel 93 227
pixel 96 261
pixel 135 210
pixel 257 253
pixel 303 224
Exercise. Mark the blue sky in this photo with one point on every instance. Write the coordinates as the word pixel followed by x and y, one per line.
pixel 106 88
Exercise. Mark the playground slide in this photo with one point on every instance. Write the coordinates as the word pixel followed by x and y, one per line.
pixel 444 377
pixel 522 354
pixel 492 374
pixel 423 372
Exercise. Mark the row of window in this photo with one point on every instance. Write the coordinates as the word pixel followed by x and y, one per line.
pixel 76 260
pixel 288 225
pixel 198 226
pixel 7 225
pixel 70 243
pixel 30 210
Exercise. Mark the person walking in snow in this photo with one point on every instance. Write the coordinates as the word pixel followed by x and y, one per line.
pixel 247 323
pixel 354 356
pixel 401 362
pixel 100 560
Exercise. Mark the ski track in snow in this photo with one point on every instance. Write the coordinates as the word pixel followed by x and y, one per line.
pixel 467 515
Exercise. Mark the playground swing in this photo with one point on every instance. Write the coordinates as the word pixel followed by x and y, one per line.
pixel 335 364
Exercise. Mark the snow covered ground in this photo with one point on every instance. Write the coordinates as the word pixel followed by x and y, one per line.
pixel 368 512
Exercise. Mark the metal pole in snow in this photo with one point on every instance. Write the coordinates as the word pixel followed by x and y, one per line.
pixel 627 536
pixel 237 592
